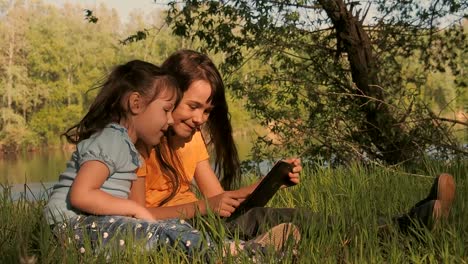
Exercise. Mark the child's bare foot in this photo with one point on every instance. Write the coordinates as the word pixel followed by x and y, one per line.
pixel 278 235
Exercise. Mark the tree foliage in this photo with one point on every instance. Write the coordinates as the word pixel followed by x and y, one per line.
pixel 334 78
pixel 50 58
pixel 284 60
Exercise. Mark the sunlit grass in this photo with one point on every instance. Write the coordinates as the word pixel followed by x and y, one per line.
pixel 347 203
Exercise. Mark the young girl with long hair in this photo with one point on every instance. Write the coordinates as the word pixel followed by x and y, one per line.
pixel 92 194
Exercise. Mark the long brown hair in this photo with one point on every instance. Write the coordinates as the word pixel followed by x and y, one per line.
pixel 135 76
pixel 171 167
pixel 188 66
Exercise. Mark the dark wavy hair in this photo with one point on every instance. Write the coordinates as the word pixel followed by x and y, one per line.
pixel 188 66
pixel 109 106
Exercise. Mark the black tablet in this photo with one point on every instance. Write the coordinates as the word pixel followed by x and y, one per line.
pixel 270 184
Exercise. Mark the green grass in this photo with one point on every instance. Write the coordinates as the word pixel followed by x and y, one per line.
pixel 352 198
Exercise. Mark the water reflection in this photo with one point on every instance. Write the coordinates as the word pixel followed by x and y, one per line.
pixel 35 191
pixel 31 174
pixel 32 167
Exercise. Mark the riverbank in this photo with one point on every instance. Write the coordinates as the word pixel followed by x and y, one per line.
pixel 355 195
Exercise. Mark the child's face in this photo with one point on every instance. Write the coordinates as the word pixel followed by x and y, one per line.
pixel 155 118
pixel 193 110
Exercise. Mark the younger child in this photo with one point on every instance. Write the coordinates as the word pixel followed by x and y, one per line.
pixel 92 195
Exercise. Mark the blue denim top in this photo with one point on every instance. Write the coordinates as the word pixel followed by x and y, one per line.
pixel 111 146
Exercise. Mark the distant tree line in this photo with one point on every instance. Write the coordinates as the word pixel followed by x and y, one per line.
pixel 51 57
pixel 318 79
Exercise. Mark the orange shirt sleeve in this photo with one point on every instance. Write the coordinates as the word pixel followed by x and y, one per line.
pixel 158 187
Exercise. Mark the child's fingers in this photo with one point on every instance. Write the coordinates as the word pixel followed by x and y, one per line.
pixel 237 194
pixel 232 202
pixel 228 203
pixel 226 210
pixel 294 181
pixel 224 213
pixel 297 169
pixel 294 161
pixel 294 178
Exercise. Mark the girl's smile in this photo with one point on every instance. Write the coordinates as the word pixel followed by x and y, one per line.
pixel 193 110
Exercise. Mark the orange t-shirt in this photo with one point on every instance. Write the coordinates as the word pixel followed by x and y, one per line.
pixel 157 186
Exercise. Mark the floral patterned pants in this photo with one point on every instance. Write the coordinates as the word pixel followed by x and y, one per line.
pixel 104 231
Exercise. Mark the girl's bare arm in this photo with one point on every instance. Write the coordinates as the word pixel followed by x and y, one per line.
pixel 222 204
pixel 86 195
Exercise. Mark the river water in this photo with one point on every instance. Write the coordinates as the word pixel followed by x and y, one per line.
pixel 30 173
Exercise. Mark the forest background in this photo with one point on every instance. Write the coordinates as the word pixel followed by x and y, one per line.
pixel 51 56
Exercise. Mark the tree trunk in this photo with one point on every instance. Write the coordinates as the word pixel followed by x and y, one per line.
pixel 9 85
pixel 392 143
